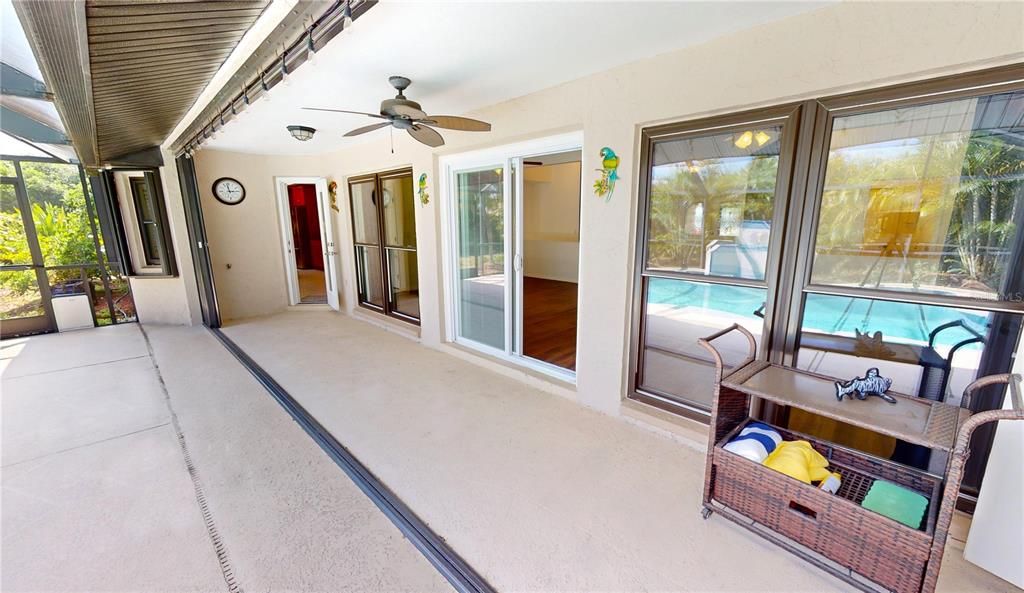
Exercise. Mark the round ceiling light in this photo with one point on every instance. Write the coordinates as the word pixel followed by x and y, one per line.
pixel 301 133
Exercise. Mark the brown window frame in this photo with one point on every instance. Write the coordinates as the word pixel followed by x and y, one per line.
pixel 787 275
pixel 150 257
pixel 377 179
pixel 798 229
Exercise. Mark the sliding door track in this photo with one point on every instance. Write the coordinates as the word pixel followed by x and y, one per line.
pixel 460 574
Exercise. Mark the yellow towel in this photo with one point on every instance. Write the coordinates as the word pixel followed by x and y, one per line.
pixel 797 459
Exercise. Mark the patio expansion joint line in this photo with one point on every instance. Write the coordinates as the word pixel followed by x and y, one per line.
pixel 76 447
pixel 204 508
pixel 452 567
pixel 81 366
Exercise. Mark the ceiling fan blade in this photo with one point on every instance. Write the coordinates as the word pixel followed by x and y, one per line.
pixel 426 135
pixel 463 124
pixel 368 128
pixel 377 115
pixel 408 111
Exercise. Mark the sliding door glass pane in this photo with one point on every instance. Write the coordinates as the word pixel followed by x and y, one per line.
pixel 481 256
pixel 368 275
pixel 711 203
pixel 928 198
pixel 404 284
pixel 399 212
pixel 676 314
pixel 364 212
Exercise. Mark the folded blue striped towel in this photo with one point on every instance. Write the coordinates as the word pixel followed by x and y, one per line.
pixel 755 442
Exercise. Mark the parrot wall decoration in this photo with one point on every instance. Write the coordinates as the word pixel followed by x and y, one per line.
pixel 422 190
pixel 605 184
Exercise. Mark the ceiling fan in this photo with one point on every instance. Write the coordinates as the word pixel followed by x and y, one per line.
pixel 405 114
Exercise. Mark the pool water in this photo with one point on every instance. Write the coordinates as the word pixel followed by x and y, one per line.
pixel 898 322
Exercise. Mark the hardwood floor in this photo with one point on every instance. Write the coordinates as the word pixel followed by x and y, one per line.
pixel 312 287
pixel 549 321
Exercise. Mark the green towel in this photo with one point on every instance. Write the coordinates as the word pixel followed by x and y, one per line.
pixel 896 502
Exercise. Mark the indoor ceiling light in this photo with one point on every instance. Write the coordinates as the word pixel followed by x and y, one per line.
pixel 301 133
pixel 745 139
pixel 762 137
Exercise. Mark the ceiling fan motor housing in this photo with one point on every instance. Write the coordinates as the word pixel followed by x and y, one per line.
pixel 388 107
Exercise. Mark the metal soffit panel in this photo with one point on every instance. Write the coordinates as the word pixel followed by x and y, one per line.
pixel 124 72
pixel 149 61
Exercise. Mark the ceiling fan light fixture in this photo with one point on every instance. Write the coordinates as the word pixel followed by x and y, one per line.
pixel 301 133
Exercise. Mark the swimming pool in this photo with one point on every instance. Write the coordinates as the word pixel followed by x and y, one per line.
pixel 898 322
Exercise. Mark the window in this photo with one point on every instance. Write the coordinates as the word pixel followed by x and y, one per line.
pixel 384 233
pixel 713 199
pixel 146 216
pixel 904 218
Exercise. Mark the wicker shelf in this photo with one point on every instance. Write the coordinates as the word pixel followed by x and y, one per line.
pixel 914 420
pixel 834 532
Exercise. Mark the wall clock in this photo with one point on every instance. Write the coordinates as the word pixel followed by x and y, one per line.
pixel 228 191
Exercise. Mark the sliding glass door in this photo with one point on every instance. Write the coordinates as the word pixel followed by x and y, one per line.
pixel 485 194
pixel 481 256
pixel 384 233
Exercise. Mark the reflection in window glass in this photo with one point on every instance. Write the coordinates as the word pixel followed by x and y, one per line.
pixel 399 212
pixel 368 275
pixel 364 212
pixel 404 282
pixel 928 198
pixel 711 203
pixel 929 351
pixel 481 253
pixel 145 215
pixel 676 314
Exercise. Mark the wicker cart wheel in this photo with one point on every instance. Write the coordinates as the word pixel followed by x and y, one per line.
pixel 705 513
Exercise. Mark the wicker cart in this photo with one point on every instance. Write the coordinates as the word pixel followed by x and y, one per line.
pixel 833 531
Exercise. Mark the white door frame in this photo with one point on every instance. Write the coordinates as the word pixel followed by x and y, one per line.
pixel 326 238
pixel 509 157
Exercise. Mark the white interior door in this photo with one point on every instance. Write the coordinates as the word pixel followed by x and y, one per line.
pixel 287 242
pixel 327 241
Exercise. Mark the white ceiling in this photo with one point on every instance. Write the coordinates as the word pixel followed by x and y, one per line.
pixel 464 56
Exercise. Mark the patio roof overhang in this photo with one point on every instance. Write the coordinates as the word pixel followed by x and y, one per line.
pixel 123 73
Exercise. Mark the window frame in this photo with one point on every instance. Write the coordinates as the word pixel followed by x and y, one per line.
pixel 788 117
pixel 780 342
pixel 787 276
pixel 150 258
pixel 385 271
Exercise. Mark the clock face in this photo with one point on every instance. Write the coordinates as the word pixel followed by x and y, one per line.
pixel 228 191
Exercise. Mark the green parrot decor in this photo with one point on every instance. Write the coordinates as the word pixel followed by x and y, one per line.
pixel 605 184
pixel 422 191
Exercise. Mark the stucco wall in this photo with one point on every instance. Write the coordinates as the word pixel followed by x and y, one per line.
pixel 840 48
pixel 247 236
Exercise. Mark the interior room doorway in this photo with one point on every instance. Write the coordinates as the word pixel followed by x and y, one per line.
pixel 308 241
pixel 550 235
pixel 513 242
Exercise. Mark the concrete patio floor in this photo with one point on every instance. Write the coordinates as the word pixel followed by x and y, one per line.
pixel 534 491
pixel 97 495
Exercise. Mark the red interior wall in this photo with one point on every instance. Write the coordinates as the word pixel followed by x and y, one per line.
pixel 305 227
